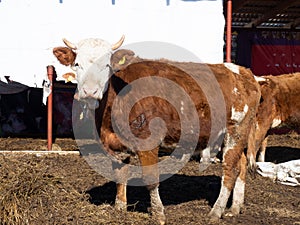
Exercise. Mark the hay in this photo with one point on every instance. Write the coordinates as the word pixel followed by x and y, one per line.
pixel 34 190
pixel 29 190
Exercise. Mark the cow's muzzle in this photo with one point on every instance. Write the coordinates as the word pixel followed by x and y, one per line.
pixel 90 103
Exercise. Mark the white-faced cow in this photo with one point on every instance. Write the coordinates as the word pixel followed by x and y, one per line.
pixel 92 61
pixel 279 105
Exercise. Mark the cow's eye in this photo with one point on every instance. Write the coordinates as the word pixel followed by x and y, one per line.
pixel 75 66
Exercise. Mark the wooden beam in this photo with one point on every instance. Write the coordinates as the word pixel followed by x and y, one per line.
pixel 272 13
pixel 39 152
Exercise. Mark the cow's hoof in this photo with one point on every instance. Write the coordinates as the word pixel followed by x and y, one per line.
pixel 120 205
pixel 234 211
pixel 159 217
pixel 252 169
pixel 214 215
pixel 214 220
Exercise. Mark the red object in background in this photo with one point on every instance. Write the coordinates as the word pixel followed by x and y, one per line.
pixel 49 103
pixel 228 31
pixel 275 59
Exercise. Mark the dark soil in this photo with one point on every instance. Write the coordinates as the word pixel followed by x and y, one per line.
pixel 63 189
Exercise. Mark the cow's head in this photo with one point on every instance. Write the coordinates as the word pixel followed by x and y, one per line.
pixel 90 59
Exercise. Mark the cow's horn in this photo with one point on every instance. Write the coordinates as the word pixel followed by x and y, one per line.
pixel 118 44
pixel 69 44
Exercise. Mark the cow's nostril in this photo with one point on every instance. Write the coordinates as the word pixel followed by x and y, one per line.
pixel 85 92
pixel 95 92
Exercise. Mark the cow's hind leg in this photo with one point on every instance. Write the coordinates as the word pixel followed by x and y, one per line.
pixel 232 154
pixel 262 150
pixel 149 163
pixel 239 188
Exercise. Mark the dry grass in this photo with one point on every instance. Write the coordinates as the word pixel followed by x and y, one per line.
pixel 35 192
pixel 29 189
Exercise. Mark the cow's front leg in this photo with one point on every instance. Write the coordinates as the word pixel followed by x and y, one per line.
pixel 149 163
pixel 121 175
pixel 121 198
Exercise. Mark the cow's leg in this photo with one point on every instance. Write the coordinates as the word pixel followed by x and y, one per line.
pixel 239 188
pixel 252 149
pixel 262 150
pixel 205 156
pixel 121 180
pixel 121 199
pixel 259 143
pixel 149 163
pixel 231 170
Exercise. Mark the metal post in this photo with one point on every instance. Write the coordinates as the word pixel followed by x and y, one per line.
pixel 228 31
pixel 50 105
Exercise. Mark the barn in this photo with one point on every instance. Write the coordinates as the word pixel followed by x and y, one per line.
pixel 266 36
pixel 59 187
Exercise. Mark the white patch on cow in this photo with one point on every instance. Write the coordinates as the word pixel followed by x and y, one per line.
pixel 257 126
pixel 239 190
pixel 276 122
pixel 219 140
pixel 260 79
pixel 238 197
pixel 168 146
pixel 252 161
pixel 92 67
pixel 261 156
pixel 205 155
pixel 238 116
pixel 233 67
pixel 182 108
pixel 229 143
pixel 221 202
pixel 156 203
pixel 235 91
pixel 222 132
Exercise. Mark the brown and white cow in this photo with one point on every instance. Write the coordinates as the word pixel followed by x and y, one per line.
pixel 279 105
pixel 241 94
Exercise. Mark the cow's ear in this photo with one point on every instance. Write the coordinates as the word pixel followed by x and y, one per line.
pixel 64 55
pixel 121 58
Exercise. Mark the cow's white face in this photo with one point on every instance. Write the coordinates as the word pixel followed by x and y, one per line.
pixel 92 66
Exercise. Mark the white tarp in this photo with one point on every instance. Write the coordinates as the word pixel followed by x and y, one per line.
pixel 287 173
pixel 31 28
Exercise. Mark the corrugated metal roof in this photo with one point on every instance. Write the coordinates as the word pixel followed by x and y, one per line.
pixel 276 14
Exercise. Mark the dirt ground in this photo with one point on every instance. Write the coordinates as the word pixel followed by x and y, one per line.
pixel 63 189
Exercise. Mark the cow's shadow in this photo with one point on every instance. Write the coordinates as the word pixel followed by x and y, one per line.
pixel 282 154
pixel 175 190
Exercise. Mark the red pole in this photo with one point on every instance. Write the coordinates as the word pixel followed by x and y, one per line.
pixel 228 31
pixel 49 130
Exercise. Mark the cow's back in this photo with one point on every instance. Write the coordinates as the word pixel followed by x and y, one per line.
pixel 284 92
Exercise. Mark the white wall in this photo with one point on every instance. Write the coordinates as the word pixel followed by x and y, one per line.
pixel 29 29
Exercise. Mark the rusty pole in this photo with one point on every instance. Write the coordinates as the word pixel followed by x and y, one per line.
pixel 228 31
pixel 50 105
